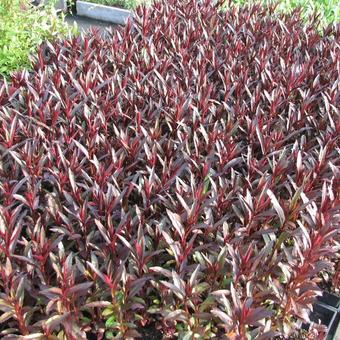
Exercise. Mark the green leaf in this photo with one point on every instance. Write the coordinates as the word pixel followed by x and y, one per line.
pixel 111 322
pixel 206 183
pixel 200 288
pixel 119 297
pixel 187 335
pixel 153 310
pixel 209 301
pixel 107 311
pixel 179 327
pixel 109 335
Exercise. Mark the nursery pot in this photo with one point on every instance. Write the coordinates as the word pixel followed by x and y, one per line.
pixel 60 5
pixel 110 14
pixel 326 310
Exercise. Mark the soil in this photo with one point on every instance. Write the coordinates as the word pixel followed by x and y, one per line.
pixel 150 333
pixel 326 286
pixel 300 335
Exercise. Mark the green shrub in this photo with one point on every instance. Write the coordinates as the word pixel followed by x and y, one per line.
pixel 22 28
pixel 329 10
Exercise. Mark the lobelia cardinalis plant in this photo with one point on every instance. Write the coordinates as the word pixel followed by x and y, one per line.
pixel 180 173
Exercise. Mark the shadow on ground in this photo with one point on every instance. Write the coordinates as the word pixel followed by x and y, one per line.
pixel 84 24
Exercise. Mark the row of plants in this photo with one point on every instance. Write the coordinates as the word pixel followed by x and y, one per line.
pixel 179 174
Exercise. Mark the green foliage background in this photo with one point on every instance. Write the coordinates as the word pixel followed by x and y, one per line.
pixel 329 10
pixel 128 4
pixel 22 29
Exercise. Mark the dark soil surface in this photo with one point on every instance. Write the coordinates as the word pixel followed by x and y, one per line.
pixel 301 335
pixel 150 333
pixel 327 287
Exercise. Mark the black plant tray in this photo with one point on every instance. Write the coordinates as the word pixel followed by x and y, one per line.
pixel 326 310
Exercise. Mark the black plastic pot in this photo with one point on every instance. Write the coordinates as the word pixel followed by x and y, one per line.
pixel 326 310
pixel 61 5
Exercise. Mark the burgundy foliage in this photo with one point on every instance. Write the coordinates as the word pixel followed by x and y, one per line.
pixel 180 173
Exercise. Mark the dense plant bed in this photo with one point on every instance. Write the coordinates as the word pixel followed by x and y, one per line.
pixel 179 175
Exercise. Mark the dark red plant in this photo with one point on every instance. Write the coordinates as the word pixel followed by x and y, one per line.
pixel 181 172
